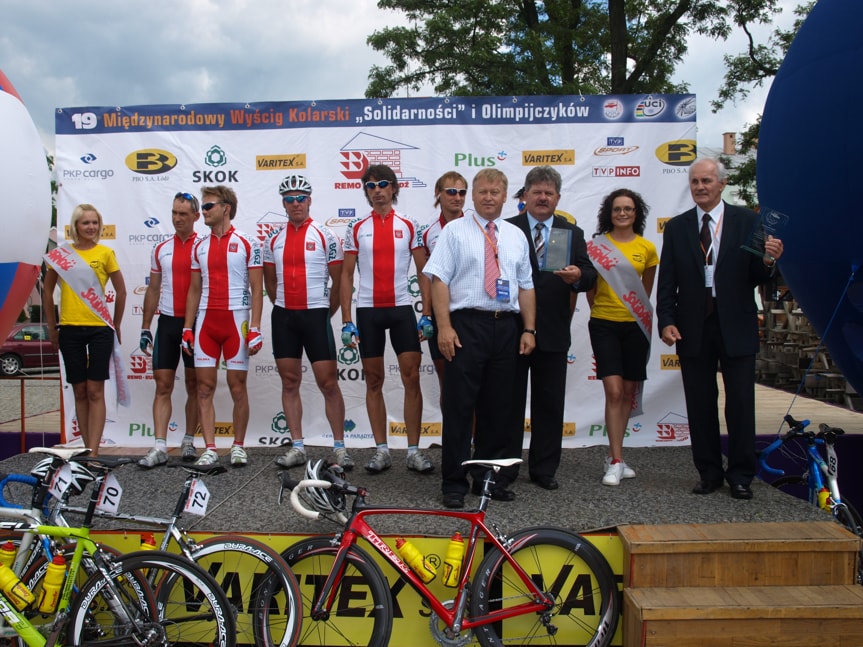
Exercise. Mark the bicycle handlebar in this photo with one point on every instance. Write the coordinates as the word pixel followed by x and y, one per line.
pixel 26 479
pixel 796 429
pixel 302 510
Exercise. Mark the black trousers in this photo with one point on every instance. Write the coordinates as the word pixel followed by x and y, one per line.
pixel 546 372
pixel 702 408
pixel 478 383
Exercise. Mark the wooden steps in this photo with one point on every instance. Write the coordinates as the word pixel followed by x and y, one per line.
pixel 741 584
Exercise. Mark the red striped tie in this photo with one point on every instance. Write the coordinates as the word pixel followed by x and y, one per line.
pixel 492 271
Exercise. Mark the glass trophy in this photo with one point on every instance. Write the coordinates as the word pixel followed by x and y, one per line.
pixel 558 250
pixel 770 223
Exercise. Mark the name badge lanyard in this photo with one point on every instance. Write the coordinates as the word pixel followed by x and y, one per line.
pixel 709 267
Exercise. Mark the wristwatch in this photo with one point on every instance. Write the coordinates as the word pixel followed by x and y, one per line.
pixel 531 331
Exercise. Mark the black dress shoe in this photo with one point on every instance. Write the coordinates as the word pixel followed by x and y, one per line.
pixel 498 493
pixel 706 487
pixel 453 500
pixel 740 491
pixel 546 482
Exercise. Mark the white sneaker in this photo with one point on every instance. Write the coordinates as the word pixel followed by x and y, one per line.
pixel 613 474
pixel 153 458
pixel 344 459
pixel 628 472
pixel 187 451
pixel 294 456
pixel 380 461
pixel 419 463
pixel 239 457
pixel 209 457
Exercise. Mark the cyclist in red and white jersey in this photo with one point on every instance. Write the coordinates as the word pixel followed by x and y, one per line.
pixel 450 191
pixel 381 245
pixel 170 275
pixel 299 263
pixel 226 292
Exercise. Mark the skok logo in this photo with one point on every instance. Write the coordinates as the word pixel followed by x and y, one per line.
pixel 348 355
pixel 279 425
pixel 151 222
pixel 215 157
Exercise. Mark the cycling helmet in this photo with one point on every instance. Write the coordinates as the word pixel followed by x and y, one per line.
pixel 295 183
pixel 79 479
pixel 324 500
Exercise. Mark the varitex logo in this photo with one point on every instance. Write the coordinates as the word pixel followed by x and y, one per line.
pixel 669 362
pixel 660 224
pixel 109 232
pixel 151 161
pixel 616 171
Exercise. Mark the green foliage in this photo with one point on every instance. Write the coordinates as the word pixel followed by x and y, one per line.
pixel 505 47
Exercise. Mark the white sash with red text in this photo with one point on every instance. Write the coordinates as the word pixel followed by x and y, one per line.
pixel 624 281
pixel 79 276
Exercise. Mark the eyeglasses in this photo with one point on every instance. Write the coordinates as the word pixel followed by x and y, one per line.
pixel 623 210
pixel 290 199
pixel 381 184
pixel 209 205
pixel 451 191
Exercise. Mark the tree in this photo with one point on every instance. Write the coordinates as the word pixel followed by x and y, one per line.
pixel 504 47
pixel 744 71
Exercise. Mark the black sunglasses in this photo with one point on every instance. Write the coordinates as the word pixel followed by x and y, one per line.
pixel 209 205
pixel 290 199
pixel 381 184
pixel 451 191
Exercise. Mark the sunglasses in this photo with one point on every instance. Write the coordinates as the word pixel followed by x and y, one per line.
pixel 290 199
pixel 209 205
pixel 188 197
pixel 451 191
pixel 381 184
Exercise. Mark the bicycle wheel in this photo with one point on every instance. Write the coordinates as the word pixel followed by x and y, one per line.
pixel 567 567
pixel 847 515
pixel 182 605
pixel 362 609
pixel 241 566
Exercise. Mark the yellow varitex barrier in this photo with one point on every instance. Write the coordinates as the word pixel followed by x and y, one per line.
pixel 411 618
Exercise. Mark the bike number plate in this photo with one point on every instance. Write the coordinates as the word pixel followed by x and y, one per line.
pixel 199 497
pixel 61 481
pixel 110 495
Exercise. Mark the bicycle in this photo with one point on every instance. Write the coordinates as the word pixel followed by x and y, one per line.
pixel 143 598
pixel 821 477
pixel 239 563
pixel 529 586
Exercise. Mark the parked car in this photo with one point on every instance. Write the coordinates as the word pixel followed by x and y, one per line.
pixel 26 347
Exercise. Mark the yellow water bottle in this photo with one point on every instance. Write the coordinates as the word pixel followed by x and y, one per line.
pixel 52 585
pixel 14 589
pixel 7 554
pixel 823 496
pixel 148 541
pixel 453 560
pixel 415 559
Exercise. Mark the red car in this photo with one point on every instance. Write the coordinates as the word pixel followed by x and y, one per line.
pixel 27 347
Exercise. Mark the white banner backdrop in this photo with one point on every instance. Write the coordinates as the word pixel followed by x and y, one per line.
pixel 130 161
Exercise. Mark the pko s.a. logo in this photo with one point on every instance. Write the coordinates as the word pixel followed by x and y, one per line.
pixel 151 161
pixel 649 107
pixel 680 152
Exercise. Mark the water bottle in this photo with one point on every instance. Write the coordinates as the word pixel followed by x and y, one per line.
pixel 7 554
pixel 52 585
pixel 14 589
pixel 415 559
pixel 823 498
pixel 453 560
pixel 148 541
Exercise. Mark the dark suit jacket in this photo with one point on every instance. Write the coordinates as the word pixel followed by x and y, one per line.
pixel 553 310
pixel 680 297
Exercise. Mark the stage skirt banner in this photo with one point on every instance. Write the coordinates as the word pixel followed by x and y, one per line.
pixel 130 162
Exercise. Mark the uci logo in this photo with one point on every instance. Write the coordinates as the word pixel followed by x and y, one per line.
pixel 681 152
pixel 151 161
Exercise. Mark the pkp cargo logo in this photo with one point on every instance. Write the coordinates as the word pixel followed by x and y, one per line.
pixel 88 158
pixel 672 428
pixel 151 222
pixel 150 161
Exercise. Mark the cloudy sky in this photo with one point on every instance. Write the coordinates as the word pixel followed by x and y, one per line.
pixel 76 53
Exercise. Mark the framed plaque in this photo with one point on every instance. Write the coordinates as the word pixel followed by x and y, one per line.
pixel 770 223
pixel 558 250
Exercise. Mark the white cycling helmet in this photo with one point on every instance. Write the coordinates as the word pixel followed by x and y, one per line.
pixel 80 477
pixel 324 500
pixel 295 183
